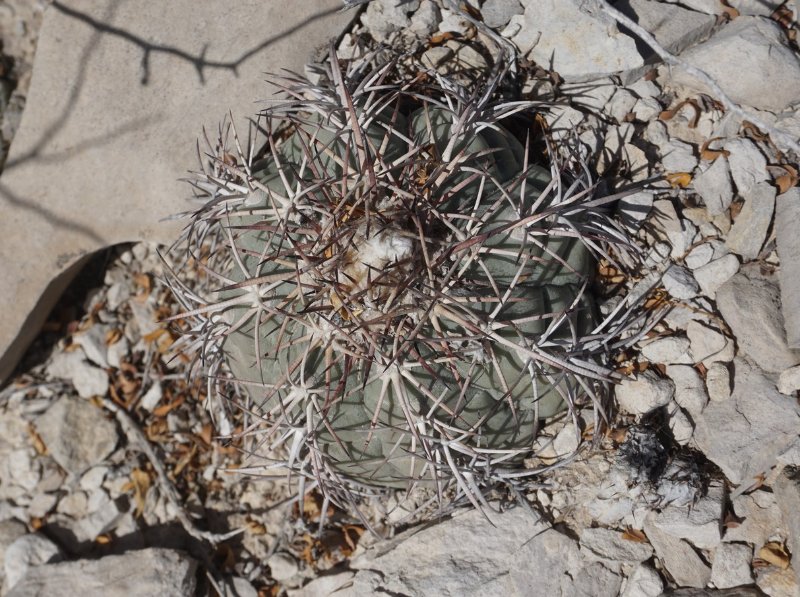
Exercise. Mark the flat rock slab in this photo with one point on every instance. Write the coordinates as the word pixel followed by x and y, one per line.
pixel 117 102
pixel 745 434
pixel 145 572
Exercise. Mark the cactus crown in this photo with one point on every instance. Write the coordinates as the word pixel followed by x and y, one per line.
pixel 402 290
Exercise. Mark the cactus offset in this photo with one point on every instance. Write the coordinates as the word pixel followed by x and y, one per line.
pixel 403 290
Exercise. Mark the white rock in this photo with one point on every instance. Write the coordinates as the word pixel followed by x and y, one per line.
pixel 718 382
pixel 635 208
pixel 465 552
pixel 26 552
pixel 594 579
pixel 425 20
pixel 758 8
pixel 680 425
pixel 745 434
pixel 152 396
pixel 153 571
pixel 787 213
pixel 453 22
pixel 700 524
pixel 282 566
pixel 88 380
pixel 679 232
pixel 699 256
pixel 674 27
pixel 789 381
pixel 563 120
pixel 749 231
pixel 647 108
pixel 680 282
pixel 709 7
pixel 668 350
pixel 643 582
pixel 760 519
pixel 690 391
pixel 716 273
pixel 385 17
pixel 103 516
pixel 713 184
pixel 93 342
pixel 74 504
pixel 41 504
pixel 338 584
pixel 677 156
pixel 748 166
pixel 750 304
pixel 607 544
pixel 10 531
pixel 787 495
pixel 678 557
pixel 93 478
pixel 64 429
pixel 759 50
pixel 591 47
pixel 709 345
pixel 732 565
pixel 497 13
pixel 621 104
pixel 776 582
pixel 644 393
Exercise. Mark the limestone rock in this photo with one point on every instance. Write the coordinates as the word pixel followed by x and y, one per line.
pixel 750 304
pixel 690 391
pixel 745 434
pixel 591 46
pixel 668 350
pixel 77 434
pixel 700 524
pixel 709 345
pixel 787 213
pixel 497 13
pixel 787 494
pixel 640 395
pixel 757 46
pixel 468 556
pixel 116 104
pixel 384 17
pixel 748 165
pixel 713 184
pixel 680 282
pixel 749 231
pixel 151 571
pixel 643 582
pixel 682 562
pixel 789 381
pixel 26 552
pixel 611 545
pixel 674 27
pixel 715 273
pixel 731 566
pixel 761 518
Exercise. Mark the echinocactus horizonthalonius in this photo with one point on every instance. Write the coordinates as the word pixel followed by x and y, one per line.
pixel 403 290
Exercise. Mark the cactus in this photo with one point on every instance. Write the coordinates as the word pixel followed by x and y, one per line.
pixel 403 292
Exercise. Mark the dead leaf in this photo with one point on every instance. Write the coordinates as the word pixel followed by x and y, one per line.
pixel 774 553
pixel 140 485
pixel 708 154
pixel 634 535
pixel 679 180
pixel 36 523
pixel 729 11
pixel 440 38
pixel 788 179
pixel 38 444
pixel 104 539
pixel 671 113
pixel 165 409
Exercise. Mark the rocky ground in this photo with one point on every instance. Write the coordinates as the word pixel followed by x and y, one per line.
pixel 109 462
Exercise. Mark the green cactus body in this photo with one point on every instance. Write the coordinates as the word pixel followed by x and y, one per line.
pixel 454 370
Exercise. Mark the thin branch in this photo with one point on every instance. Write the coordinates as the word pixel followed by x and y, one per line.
pixel 138 440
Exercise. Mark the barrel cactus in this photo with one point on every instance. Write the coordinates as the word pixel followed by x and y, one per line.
pixel 403 291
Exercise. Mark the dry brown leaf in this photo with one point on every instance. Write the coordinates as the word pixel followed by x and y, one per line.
pixel 634 535
pixel 679 180
pixel 104 539
pixel 140 484
pixel 788 179
pixel 671 113
pixel 113 336
pixel 38 444
pixel 774 553
pixel 440 38
pixel 165 409
pixel 256 528
pixel 145 284
pixel 708 154
pixel 36 523
pixel 184 461
pixel 206 434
